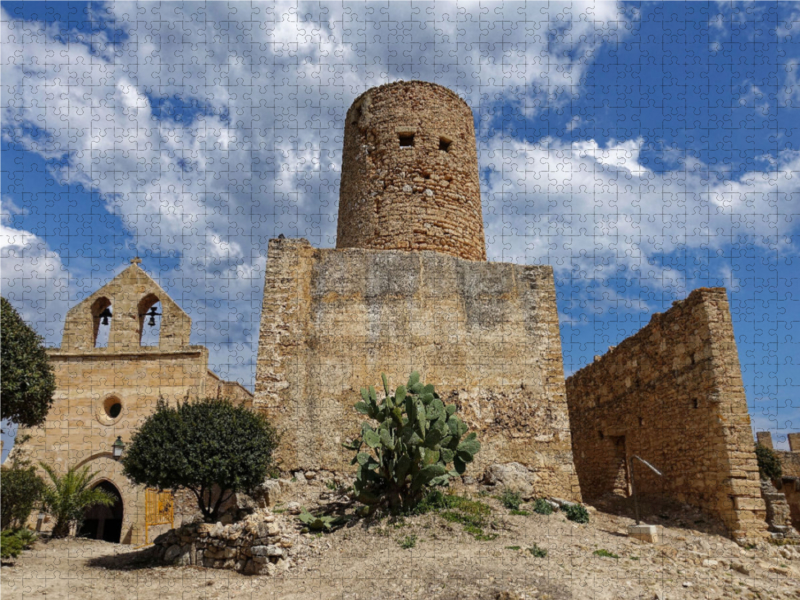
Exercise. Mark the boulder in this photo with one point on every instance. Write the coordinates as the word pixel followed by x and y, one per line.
pixel 513 477
pixel 172 554
pixel 270 550
pixel 293 508
pixel 268 493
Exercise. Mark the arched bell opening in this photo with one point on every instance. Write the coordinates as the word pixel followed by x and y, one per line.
pixel 149 321
pixel 101 322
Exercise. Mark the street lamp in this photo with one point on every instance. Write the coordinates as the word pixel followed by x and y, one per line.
pixel 118 446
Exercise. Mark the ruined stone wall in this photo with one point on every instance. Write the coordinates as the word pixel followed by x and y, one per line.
pixel 410 173
pixel 790 463
pixel 672 394
pixel 486 334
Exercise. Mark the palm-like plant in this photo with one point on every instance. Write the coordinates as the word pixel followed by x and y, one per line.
pixel 69 495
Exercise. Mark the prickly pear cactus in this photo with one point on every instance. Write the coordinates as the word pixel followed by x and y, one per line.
pixel 418 443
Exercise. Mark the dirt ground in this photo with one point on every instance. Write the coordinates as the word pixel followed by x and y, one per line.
pixel 366 562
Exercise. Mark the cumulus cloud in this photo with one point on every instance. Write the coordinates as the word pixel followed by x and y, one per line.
pixel 260 152
pixel 263 155
pixel 33 278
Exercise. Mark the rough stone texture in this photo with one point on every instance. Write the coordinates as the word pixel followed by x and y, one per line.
pixel 779 520
pixel 258 544
pixel 790 486
pixel 418 197
pixel 78 429
pixel 764 438
pixel 790 463
pixel 790 483
pixel 672 394
pixel 486 334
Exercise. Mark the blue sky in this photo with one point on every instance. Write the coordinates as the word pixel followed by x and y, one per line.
pixel 642 150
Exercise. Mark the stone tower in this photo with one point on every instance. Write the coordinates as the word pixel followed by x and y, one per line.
pixel 410 173
pixel 408 288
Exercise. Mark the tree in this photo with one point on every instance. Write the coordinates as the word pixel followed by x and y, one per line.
pixel 206 446
pixel 21 490
pixel 26 376
pixel 69 495
pixel 416 439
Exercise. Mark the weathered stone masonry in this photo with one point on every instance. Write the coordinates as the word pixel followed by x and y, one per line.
pixel 410 173
pixel 485 333
pixel 408 288
pixel 672 394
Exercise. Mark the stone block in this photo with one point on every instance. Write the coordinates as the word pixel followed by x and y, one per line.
pixel 645 533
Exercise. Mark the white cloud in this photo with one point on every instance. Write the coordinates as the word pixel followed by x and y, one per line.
pixel 33 278
pixel 596 209
pixel 213 190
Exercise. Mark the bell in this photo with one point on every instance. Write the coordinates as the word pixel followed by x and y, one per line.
pixel 152 314
pixel 105 315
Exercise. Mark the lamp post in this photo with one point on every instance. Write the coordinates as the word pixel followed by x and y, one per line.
pixel 118 446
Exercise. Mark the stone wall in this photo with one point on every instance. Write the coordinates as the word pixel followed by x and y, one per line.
pixel 790 463
pixel 790 486
pixel 779 519
pixel 262 543
pixel 410 173
pixel 486 334
pixel 672 394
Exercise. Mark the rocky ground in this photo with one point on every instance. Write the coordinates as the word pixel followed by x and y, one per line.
pixel 434 556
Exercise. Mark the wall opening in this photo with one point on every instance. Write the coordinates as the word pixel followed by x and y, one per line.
pixel 112 407
pixel 444 144
pixel 406 140
pixel 620 466
pixel 101 322
pixel 150 321
pixel 103 522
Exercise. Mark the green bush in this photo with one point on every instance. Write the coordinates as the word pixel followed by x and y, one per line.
pixel 408 542
pixel 14 541
pixel 200 445
pixel 26 377
pixel 769 465
pixel 511 500
pixel 471 514
pixel 542 507
pixel 10 544
pixel 605 553
pixel 21 490
pixel 577 513
pixel 416 439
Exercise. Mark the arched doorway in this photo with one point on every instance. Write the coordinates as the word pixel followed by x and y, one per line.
pixel 103 522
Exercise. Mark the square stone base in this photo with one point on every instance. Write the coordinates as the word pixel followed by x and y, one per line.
pixel 646 533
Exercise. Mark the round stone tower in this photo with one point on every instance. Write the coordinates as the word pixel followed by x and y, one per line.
pixel 410 173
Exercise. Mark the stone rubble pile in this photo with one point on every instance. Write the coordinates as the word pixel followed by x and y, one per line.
pixel 260 544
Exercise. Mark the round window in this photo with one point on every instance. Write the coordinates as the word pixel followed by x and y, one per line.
pixel 109 410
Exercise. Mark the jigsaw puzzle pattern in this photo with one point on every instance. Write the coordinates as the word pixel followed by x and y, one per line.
pixel 641 150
